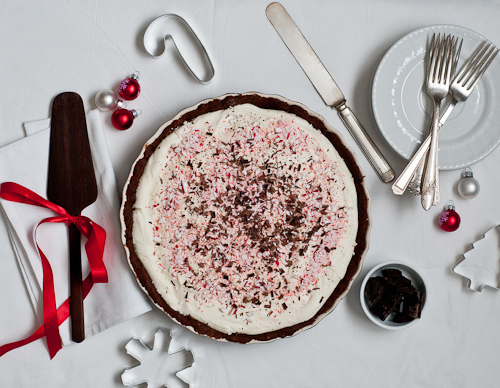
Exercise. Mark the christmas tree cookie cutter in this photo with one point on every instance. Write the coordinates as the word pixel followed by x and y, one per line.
pixel 171 32
pixel 158 366
pixel 480 265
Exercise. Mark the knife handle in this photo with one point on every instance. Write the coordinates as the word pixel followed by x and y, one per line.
pixel 366 144
pixel 76 296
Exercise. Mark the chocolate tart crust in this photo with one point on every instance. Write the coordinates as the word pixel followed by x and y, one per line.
pixel 266 102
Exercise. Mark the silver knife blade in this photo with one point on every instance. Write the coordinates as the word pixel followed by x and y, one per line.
pixel 326 86
pixel 305 55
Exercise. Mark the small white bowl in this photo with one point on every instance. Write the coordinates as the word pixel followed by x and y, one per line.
pixel 409 272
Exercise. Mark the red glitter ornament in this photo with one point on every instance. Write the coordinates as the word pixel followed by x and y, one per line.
pixel 122 119
pixel 449 220
pixel 129 88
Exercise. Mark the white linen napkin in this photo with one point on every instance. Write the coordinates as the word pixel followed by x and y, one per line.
pixel 26 162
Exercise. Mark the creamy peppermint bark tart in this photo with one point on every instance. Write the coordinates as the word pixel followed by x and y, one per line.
pixel 245 218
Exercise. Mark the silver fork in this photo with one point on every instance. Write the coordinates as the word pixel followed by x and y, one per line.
pixel 416 181
pixel 470 74
pixel 460 89
pixel 439 76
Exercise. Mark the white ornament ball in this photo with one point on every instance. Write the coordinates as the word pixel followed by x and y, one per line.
pixel 106 100
pixel 468 187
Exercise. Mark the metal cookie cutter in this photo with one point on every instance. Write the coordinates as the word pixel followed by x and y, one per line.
pixel 159 366
pixel 172 29
pixel 480 265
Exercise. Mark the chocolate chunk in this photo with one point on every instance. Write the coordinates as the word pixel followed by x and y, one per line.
pixel 392 273
pixel 401 318
pixel 415 304
pixel 389 300
pixel 401 283
pixel 394 293
pixel 375 288
pixel 396 277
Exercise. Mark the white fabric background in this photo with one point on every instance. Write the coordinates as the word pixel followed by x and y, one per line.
pixel 107 304
pixel 84 46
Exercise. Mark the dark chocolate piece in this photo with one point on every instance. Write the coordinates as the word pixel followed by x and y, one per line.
pixel 374 289
pixel 392 273
pixel 385 306
pixel 415 305
pixel 394 293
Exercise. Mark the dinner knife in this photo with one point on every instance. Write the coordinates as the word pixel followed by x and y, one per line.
pixel 72 185
pixel 326 86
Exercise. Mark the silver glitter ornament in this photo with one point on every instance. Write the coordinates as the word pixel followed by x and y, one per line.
pixel 468 187
pixel 106 100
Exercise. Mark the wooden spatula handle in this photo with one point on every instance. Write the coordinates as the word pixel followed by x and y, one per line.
pixel 76 296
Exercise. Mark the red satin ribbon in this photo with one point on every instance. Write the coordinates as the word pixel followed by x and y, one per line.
pixel 96 236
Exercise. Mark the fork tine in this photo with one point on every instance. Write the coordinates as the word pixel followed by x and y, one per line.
pixel 437 59
pixel 476 55
pixel 476 65
pixel 433 56
pixel 449 57
pixel 441 65
pixel 431 51
pixel 445 52
pixel 457 55
pixel 483 66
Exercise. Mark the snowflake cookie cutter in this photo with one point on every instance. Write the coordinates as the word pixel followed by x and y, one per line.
pixel 172 29
pixel 158 366
pixel 480 265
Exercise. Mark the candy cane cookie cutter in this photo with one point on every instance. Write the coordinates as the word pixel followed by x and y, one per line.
pixel 173 30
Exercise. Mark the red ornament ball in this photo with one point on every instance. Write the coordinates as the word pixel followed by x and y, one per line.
pixel 449 220
pixel 122 119
pixel 129 89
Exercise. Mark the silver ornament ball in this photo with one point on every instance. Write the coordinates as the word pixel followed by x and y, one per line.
pixel 106 100
pixel 468 187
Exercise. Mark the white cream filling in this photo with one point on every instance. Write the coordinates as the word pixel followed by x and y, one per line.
pixel 250 318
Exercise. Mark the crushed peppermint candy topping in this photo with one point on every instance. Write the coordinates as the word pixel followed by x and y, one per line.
pixel 248 216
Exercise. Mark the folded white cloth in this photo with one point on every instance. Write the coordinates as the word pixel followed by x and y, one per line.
pixel 26 162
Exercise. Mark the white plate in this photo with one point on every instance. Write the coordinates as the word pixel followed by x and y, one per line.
pixel 402 107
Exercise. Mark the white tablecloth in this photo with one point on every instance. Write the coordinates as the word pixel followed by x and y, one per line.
pixel 84 46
